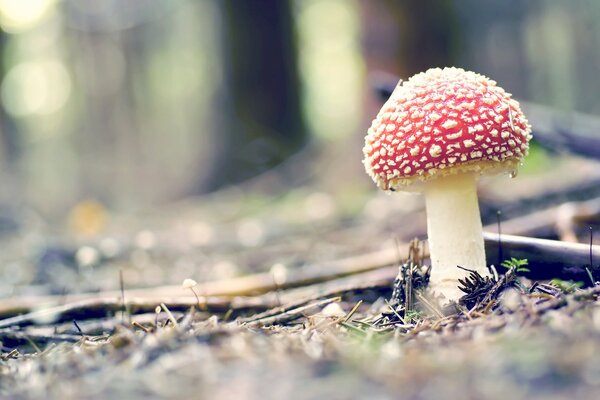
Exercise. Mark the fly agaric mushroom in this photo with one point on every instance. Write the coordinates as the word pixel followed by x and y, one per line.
pixel 436 134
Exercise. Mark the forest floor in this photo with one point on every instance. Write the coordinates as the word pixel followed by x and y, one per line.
pixel 293 301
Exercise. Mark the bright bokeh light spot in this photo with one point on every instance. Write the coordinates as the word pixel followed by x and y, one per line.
pixel 33 88
pixel 19 15
pixel 88 218
pixel 319 206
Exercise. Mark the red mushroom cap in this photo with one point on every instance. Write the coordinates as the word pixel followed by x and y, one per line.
pixel 445 121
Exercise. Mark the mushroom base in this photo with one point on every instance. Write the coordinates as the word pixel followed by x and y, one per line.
pixel 455 233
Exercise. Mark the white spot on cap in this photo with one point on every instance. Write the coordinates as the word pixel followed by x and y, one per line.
pixel 434 116
pixel 469 143
pixel 435 150
pixel 450 123
pixel 454 135
pixel 415 151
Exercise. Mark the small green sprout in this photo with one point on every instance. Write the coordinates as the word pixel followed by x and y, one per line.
pixel 518 264
pixel 566 286
pixel 413 315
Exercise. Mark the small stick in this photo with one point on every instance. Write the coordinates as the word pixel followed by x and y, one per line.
pixel 351 313
pixel 428 304
pixel 591 246
pixel 589 270
pixel 227 315
pixel 498 214
pixel 78 328
pixel 291 314
pixel 14 353
pixel 395 312
pixel 408 289
pixel 140 326
pixel 32 344
pixel 122 285
pixel 169 314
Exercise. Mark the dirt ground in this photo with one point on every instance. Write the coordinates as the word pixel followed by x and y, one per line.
pixel 286 330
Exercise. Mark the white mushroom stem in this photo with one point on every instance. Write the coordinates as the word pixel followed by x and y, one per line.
pixel 455 233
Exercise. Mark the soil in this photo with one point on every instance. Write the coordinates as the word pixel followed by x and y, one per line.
pixel 341 337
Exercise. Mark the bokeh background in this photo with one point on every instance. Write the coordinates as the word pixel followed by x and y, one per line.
pixel 136 103
pixel 147 142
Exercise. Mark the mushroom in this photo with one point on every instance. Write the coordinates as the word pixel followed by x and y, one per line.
pixel 436 134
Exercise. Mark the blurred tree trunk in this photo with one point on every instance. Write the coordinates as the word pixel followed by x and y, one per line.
pixel 407 37
pixel 262 123
pixel 8 130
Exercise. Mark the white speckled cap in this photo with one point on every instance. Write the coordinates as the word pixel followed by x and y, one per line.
pixel 444 121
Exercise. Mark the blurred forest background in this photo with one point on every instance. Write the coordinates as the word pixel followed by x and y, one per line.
pixel 140 103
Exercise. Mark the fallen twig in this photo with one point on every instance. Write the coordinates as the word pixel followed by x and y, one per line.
pixel 289 315
pixel 249 285
pixel 13 337
pixel 548 259
pixel 101 307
